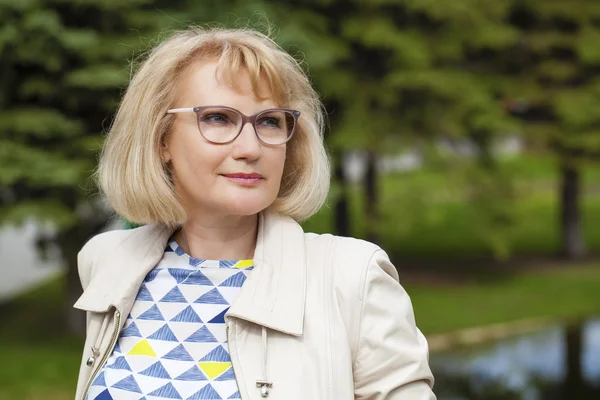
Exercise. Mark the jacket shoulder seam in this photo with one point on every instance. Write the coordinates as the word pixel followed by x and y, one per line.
pixel 362 288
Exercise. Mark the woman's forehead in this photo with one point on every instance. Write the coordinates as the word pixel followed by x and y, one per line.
pixel 207 82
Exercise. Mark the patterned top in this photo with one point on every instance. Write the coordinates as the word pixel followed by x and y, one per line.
pixel 174 344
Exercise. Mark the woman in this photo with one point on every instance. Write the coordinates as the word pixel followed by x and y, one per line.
pixel 217 150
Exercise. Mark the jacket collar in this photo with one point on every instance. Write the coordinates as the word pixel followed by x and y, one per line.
pixel 272 296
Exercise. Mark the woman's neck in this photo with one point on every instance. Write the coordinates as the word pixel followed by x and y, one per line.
pixel 210 238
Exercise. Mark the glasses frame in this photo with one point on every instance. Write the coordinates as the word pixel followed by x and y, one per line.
pixel 245 119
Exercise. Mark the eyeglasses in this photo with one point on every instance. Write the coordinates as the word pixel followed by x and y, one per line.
pixel 222 125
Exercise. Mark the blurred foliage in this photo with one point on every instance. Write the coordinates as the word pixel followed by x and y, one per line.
pixel 554 74
pixel 394 74
pixel 63 66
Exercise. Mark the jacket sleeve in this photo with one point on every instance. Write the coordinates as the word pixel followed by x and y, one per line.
pixel 392 357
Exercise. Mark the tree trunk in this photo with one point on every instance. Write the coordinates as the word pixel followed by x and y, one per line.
pixel 574 383
pixel 371 198
pixel 572 242
pixel 483 140
pixel 341 208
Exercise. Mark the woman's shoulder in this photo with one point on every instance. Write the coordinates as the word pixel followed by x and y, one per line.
pixel 341 247
pixel 108 243
pixel 110 239
pixel 347 257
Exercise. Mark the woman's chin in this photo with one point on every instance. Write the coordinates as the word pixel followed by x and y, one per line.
pixel 245 208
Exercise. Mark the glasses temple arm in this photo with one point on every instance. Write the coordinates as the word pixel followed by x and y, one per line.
pixel 180 110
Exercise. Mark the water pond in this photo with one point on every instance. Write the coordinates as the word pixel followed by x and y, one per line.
pixel 560 362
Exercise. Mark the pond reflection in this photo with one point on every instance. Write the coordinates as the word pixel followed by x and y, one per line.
pixel 562 362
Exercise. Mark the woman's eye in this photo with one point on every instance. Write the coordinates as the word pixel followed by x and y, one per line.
pixel 270 122
pixel 215 118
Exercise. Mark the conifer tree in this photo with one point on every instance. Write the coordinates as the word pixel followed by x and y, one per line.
pixel 64 64
pixel 554 70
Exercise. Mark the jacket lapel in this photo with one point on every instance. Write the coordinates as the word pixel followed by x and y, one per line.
pixel 275 292
pixel 121 270
pixel 272 296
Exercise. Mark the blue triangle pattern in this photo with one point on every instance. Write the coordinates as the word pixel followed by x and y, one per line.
pixel 236 280
pixel 168 391
pixel 121 363
pixel 117 348
pixel 198 278
pixel 105 395
pixel 174 296
pixel 202 335
pixel 179 353
pixel 152 314
pixel 226 263
pixel 144 294
pixel 164 333
pixel 151 275
pixel 219 354
pixel 129 384
pixel 211 297
pixel 131 331
pixel 236 395
pixel 187 315
pixel 194 262
pixel 207 392
pixel 156 370
pixel 192 374
pixel 180 274
pixel 99 381
pixel 227 376
pixel 178 250
pixel 219 319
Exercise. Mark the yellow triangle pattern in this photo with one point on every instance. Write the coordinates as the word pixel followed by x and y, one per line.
pixel 213 369
pixel 142 348
pixel 244 264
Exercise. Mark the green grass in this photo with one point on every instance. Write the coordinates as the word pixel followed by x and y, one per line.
pixel 39 361
pixel 564 293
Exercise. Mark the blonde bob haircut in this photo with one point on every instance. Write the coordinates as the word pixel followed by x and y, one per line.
pixel 131 173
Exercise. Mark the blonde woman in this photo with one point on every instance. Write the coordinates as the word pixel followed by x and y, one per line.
pixel 217 151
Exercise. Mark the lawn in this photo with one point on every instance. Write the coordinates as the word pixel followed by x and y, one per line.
pixel 39 362
pixel 567 292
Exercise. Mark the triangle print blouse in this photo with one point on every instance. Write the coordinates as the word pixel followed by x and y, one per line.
pixel 173 344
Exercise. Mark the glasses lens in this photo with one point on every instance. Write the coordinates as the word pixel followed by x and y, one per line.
pixel 275 127
pixel 219 125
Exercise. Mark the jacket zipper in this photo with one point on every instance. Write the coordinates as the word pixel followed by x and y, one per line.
pixel 229 351
pixel 107 353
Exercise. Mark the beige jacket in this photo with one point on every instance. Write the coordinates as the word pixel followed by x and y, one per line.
pixel 320 317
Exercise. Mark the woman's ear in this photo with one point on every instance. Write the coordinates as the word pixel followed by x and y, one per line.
pixel 165 154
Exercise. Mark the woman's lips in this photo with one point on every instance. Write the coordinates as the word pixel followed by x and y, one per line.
pixel 244 179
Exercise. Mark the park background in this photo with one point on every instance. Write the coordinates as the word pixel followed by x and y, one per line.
pixel 465 140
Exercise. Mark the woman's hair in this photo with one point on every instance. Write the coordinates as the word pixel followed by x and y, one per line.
pixel 131 173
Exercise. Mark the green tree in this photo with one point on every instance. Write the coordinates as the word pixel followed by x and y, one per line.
pixel 554 71
pixel 63 65
pixel 395 73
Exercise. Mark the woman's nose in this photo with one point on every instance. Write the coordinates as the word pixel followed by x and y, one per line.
pixel 247 145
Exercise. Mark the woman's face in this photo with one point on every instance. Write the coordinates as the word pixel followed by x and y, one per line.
pixel 235 179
